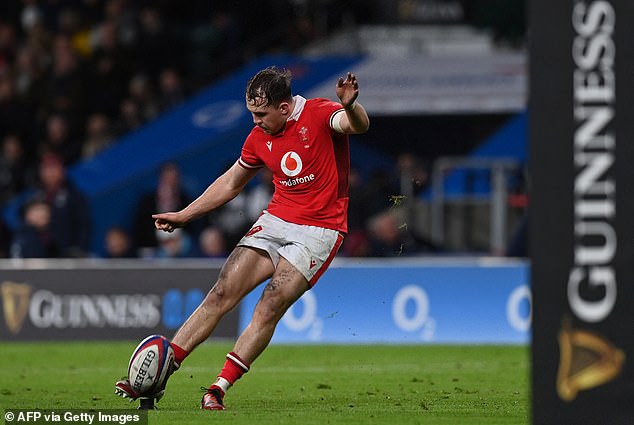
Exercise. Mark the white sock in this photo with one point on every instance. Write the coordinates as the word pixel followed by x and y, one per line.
pixel 223 384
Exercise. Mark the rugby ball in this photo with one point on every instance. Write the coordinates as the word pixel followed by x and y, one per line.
pixel 150 364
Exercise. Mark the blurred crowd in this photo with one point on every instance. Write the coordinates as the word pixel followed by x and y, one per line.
pixel 77 75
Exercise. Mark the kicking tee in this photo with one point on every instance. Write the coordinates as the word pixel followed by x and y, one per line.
pixel 310 163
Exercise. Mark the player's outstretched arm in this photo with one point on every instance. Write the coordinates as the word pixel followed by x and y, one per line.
pixel 355 120
pixel 222 190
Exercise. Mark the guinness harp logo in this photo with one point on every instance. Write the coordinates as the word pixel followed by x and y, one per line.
pixel 587 360
pixel 15 303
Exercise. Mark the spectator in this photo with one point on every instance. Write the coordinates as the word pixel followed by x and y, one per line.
pixel 177 244
pixel 129 119
pixel 385 235
pixel 8 45
pixel 171 89
pixel 118 244
pixel 66 90
pixel 70 219
pixel 169 195
pixel 110 66
pixel 30 77
pixel 154 40
pixel 68 24
pixel 140 91
pixel 98 135
pixel 389 236
pixel 34 239
pixel 31 17
pixel 123 14
pixel 32 22
pixel 413 175
pixel 203 40
pixel 59 140
pixel 212 243
pixel 14 171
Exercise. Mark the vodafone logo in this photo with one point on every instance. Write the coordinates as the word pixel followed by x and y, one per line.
pixel 291 164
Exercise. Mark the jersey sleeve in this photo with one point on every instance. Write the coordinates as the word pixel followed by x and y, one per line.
pixel 327 110
pixel 248 157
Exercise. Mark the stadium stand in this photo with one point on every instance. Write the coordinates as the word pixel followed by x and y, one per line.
pixel 83 78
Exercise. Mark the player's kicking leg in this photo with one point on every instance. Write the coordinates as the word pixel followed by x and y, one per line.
pixel 285 287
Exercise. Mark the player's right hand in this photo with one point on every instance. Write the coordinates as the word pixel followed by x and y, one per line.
pixel 167 222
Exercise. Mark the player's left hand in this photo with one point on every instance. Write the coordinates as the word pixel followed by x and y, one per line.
pixel 347 90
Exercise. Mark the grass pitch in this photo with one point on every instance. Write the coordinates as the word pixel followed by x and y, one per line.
pixel 314 384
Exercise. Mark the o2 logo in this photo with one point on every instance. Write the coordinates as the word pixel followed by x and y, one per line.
pixel 302 316
pixel 410 312
pixel 178 305
pixel 519 311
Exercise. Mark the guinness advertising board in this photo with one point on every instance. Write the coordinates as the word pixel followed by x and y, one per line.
pixel 64 300
pixel 582 211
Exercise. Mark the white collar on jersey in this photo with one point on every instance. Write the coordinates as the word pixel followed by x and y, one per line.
pixel 299 107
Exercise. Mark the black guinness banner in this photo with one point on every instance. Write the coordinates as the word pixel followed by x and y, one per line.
pixel 61 300
pixel 582 211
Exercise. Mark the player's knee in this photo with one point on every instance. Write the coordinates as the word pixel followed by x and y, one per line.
pixel 270 309
pixel 218 299
pixel 266 314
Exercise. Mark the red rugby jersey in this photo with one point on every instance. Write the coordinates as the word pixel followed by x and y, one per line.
pixel 310 164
